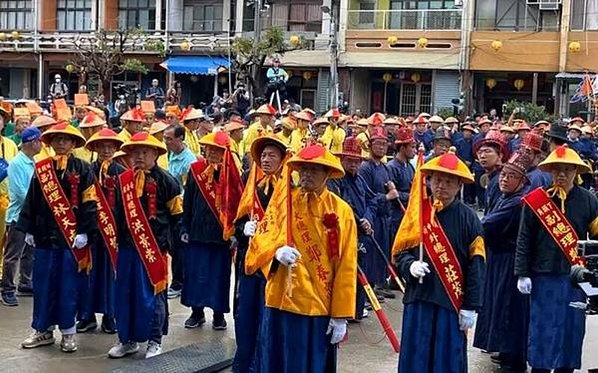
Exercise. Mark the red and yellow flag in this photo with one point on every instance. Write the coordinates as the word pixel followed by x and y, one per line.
pixel 409 234
pixel 231 190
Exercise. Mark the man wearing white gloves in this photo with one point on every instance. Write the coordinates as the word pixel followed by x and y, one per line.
pixel 444 290
pixel 552 221
pixel 269 154
pixel 310 270
pixel 58 214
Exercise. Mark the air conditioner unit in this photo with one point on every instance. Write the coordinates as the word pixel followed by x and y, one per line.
pixel 549 4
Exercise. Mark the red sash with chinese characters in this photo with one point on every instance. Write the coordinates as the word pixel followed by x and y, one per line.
pixel 107 225
pixel 257 211
pixel 208 188
pixel 555 222
pixel 61 209
pixel 443 257
pixel 141 232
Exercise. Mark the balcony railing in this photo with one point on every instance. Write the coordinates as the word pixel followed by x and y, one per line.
pixel 150 42
pixel 427 19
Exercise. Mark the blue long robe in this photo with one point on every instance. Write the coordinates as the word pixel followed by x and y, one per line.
pixel 502 322
pixel 430 336
pixel 402 176
pixel 376 176
pixel 355 191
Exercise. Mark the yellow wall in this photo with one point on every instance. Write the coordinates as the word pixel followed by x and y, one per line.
pixel 521 51
pixel 587 58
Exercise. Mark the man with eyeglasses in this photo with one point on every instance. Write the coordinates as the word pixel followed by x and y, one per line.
pixel 502 323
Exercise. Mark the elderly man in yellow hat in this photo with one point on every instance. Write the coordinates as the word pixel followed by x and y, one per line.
pixel 43 123
pixel 132 123
pixel 149 207
pixel 552 221
pixel 89 125
pixel 263 126
pixel 300 136
pixel 310 266
pixel 191 119
pixel 235 128
pixel 445 277
pixel 287 125
pixel 157 130
pixel 58 218
pixel 270 154
pixel 97 290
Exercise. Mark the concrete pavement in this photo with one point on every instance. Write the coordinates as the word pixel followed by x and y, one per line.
pixel 367 349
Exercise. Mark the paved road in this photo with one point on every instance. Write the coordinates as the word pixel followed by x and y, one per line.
pixel 366 351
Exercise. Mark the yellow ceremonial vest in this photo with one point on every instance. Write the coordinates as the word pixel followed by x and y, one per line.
pixel 322 286
pixel 192 141
pixel 299 138
pixel 253 131
pixel 333 139
pixel 85 154
pixel 45 152
pixel 125 135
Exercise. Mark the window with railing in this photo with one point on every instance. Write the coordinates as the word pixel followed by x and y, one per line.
pixel 202 17
pixel 584 15
pixel 137 13
pixel 516 15
pixel 73 15
pixel 406 15
pixel 304 15
pixel 15 15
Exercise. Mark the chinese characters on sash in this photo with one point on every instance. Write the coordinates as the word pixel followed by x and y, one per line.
pixel 443 257
pixel 62 210
pixel 141 232
pixel 555 222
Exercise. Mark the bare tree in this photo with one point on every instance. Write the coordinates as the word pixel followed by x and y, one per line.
pixel 103 54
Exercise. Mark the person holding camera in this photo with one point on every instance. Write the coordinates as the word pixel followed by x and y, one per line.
pixel 240 100
pixel 553 220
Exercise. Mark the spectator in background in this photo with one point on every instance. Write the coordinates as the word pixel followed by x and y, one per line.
pixel 17 253
pixel 240 99
pixel 156 93
pixel 173 96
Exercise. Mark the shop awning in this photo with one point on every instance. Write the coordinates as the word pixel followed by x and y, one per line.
pixel 196 65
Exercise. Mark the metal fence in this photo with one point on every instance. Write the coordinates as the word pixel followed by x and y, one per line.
pixel 427 19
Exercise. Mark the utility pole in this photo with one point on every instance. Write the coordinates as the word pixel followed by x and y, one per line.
pixel 334 13
pixel 257 35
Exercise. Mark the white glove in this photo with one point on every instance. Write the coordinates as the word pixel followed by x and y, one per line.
pixel 29 240
pixel 185 238
pixel 250 228
pixel 419 269
pixel 287 256
pixel 80 241
pixel 466 319
pixel 338 328
pixel 524 285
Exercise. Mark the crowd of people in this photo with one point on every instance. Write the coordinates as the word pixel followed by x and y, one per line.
pixel 287 205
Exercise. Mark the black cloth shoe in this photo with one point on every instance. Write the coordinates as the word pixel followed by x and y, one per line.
pixel 108 325
pixel 25 291
pixel 219 323
pixel 196 320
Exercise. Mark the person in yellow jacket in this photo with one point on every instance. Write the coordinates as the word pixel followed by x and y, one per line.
pixel 132 123
pixel 334 136
pixel 234 128
pixel 43 123
pixel 157 130
pixel 89 125
pixel 310 271
pixel 300 136
pixel 8 150
pixel 264 125
pixel 288 125
pixel 190 119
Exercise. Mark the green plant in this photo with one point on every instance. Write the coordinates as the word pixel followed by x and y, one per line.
pixel 527 111
pixel 445 112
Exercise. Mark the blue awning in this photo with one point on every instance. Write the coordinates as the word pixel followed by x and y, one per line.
pixel 197 65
